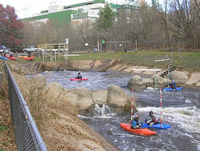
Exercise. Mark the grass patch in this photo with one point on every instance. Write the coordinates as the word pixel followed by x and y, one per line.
pixel 3 128
pixel 183 60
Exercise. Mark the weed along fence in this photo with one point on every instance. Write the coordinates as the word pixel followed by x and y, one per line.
pixel 27 136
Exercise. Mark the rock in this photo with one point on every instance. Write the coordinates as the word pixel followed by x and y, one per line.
pixel 160 82
pixel 69 96
pixel 99 96
pixel 84 98
pixel 148 82
pixel 116 97
pixel 53 90
pixel 136 82
pixel 156 78
pixel 178 77
pixel 38 80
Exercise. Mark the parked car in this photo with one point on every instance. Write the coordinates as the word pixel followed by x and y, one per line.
pixel 31 49
pixel 3 49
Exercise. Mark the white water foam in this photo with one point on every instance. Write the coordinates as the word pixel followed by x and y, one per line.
pixel 185 117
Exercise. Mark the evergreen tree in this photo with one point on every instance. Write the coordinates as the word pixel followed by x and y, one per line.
pixel 106 17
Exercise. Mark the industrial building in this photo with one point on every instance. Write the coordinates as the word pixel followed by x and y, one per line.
pixel 77 12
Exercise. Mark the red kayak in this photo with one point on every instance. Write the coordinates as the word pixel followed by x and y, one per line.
pixel 139 131
pixel 29 58
pixel 75 79
pixel 13 58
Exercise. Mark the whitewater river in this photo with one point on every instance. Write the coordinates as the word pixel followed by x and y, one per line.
pixel 181 109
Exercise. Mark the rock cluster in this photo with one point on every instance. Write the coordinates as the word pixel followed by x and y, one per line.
pixel 136 82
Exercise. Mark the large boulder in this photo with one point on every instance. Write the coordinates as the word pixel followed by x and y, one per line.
pixel 53 90
pixel 116 97
pixel 84 98
pixel 160 82
pixel 99 96
pixel 69 96
pixel 38 80
pixel 136 82
pixel 148 82
pixel 178 77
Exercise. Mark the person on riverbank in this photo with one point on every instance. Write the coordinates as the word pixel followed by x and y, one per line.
pixel 172 85
pixel 29 54
pixel 135 123
pixel 150 119
pixel 79 76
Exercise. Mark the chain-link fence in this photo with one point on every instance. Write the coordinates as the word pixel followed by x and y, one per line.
pixel 182 62
pixel 27 136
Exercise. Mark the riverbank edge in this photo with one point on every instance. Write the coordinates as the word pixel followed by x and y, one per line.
pixel 114 66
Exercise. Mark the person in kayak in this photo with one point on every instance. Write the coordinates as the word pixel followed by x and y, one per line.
pixel 172 85
pixel 11 54
pixel 79 76
pixel 135 123
pixel 150 119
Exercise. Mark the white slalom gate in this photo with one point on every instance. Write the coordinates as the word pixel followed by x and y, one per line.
pixel 167 67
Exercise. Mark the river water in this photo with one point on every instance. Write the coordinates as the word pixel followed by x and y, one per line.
pixel 181 109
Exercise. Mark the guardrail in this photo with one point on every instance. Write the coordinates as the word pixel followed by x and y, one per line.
pixel 27 135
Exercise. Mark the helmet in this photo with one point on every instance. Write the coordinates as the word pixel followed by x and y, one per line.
pixel 173 82
pixel 136 116
pixel 151 112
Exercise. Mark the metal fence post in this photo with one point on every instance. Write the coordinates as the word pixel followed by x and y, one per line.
pixel 27 135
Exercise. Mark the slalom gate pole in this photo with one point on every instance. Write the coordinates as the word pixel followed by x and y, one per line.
pixel 65 78
pixel 161 106
pixel 155 78
pixel 168 76
pixel 132 107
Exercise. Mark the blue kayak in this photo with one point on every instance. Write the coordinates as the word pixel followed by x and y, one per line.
pixel 171 89
pixel 3 58
pixel 164 126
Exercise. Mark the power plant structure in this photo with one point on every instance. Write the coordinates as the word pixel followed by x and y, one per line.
pixel 80 11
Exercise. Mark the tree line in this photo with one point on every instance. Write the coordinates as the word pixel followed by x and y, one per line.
pixel 152 27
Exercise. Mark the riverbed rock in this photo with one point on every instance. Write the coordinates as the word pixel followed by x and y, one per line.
pixel 69 96
pixel 53 90
pixel 116 97
pixel 178 77
pixel 148 82
pixel 84 98
pixel 38 80
pixel 136 82
pixel 99 96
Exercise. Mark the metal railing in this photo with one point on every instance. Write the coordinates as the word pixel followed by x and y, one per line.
pixel 27 135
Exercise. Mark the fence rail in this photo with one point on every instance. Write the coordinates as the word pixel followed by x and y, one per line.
pixel 27 135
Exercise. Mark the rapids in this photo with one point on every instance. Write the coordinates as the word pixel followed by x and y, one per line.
pixel 181 109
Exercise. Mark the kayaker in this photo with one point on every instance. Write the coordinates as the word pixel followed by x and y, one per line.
pixel 135 123
pixel 172 85
pixel 11 54
pixel 150 119
pixel 79 76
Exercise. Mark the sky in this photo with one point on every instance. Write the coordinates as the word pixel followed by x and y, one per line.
pixel 26 8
